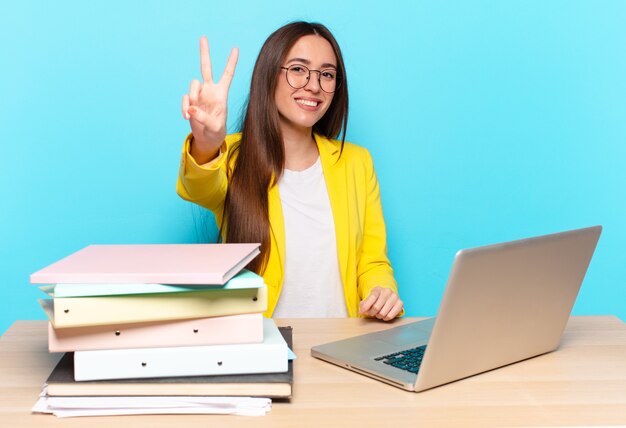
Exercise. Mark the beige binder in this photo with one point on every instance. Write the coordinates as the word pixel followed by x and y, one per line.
pixel 85 311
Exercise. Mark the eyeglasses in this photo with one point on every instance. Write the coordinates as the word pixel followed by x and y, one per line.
pixel 298 76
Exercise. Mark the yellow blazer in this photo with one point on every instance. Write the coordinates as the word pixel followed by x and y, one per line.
pixel 357 211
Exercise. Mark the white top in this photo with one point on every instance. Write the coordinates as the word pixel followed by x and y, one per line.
pixel 312 284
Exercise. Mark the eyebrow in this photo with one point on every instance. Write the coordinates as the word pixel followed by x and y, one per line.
pixel 307 62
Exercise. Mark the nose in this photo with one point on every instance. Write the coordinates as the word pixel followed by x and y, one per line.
pixel 313 84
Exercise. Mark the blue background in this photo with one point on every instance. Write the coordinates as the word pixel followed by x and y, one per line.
pixel 488 121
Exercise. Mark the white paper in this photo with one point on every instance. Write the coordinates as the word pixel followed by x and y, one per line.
pixel 107 406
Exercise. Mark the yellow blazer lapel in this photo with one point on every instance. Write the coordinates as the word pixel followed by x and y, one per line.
pixel 334 173
pixel 277 222
pixel 275 272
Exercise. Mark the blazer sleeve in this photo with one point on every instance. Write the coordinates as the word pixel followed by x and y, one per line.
pixel 205 184
pixel 373 266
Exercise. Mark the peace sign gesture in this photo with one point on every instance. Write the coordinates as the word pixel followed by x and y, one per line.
pixel 206 105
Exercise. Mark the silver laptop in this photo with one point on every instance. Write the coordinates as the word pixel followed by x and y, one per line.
pixel 502 304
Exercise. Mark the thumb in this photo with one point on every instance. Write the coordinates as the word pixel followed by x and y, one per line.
pixel 366 304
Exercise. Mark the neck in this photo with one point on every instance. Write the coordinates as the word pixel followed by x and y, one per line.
pixel 300 148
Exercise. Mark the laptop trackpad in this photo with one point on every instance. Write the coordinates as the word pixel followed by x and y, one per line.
pixel 417 332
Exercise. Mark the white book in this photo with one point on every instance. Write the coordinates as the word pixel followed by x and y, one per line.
pixel 270 356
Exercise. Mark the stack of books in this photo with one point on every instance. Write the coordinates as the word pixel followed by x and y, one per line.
pixel 163 320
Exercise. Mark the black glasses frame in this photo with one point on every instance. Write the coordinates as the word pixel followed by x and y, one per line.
pixel 308 79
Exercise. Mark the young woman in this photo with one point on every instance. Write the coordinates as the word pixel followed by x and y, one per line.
pixel 312 201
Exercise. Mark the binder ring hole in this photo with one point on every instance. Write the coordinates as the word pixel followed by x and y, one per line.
pixel 219 363
pixel 144 364
pixel 254 299
pixel 195 330
pixel 117 332
pixel 66 310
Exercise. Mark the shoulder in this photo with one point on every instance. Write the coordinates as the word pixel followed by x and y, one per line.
pixel 230 148
pixel 354 151
pixel 350 154
pixel 233 140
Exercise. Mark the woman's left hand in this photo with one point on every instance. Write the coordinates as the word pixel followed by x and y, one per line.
pixel 382 303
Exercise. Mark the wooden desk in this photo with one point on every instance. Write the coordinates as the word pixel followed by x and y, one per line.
pixel 583 383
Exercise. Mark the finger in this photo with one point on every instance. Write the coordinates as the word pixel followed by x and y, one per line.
pixel 389 304
pixel 205 60
pixel 229 71
pixel 397 308
pixel 378 304
pixel 366 304
pixel 194 92
pixel 185 106
pixel 197 114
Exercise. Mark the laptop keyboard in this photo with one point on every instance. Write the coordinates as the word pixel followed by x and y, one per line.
pixel 409 359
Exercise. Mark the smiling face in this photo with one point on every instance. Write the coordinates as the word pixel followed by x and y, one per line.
pixel 300 109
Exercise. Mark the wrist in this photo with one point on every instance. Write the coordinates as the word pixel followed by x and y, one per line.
pixel 203 152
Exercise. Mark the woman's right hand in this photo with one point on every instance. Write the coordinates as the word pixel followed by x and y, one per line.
pixel 206 105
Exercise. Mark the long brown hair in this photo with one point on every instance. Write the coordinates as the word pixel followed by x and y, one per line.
pixel 260 155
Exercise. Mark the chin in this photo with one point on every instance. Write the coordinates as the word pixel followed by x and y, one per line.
pixel 302 122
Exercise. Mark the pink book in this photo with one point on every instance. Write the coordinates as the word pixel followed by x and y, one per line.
pixel 156 263
pixel 232 329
